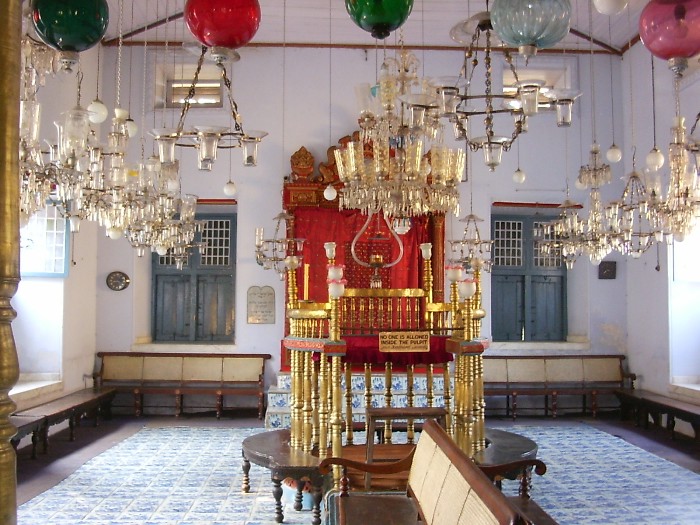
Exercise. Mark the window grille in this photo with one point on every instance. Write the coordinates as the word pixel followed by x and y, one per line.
pixel 44 244
pixel 217 236
pixel 508 243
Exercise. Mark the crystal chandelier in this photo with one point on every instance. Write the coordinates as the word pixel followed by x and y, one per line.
pixel 458 104
pixel 400 165
pixel 86 180
pixel 564 235
pixel 471 250
pixel 632 218
pixel 278 252
pixel 207 140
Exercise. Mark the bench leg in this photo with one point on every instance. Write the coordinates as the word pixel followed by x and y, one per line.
pixel 45 437
pixel 261 405
pixel 554 405
pixel 277 494
pixel 245 485
pixel 515 404
pixel 594 403
pixel 178 404
pixel 671 425
pixel 219 404
pixel 35 442
pixel 72 421
pixel 138 403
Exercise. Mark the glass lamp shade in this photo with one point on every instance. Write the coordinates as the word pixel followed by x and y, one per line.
pixel 70 25
pixel 610 7
pixel 223 23
pixel 537 23
pixel 98 112
pixel 671 28
pixel 76 128
pixel 426 250
pixel 379 17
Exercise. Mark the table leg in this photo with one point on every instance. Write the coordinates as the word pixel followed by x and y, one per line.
pixel 299 496
pixel 245 486
pixel 317 494
pixel 277 493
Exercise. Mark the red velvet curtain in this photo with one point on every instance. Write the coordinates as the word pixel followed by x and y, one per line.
pixel 318 226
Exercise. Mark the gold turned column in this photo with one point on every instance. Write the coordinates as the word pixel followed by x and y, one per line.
pixel 348 404
pixel 410 430
pixel 296 399
pixel 10 29
pixel 323 407
pixel 315 403
pixel 336 416
pixel 387 399
pixel 447 397
pixel 368 393
pixel 429 386
pixel 307 438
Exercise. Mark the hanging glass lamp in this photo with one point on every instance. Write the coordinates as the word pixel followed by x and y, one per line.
pixel 223 23
pixel 531 24
pixel 379 17
pixel 70 25
pixel 670 29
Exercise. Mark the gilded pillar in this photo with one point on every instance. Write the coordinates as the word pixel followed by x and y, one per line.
pixel 438 240
pixel 10 31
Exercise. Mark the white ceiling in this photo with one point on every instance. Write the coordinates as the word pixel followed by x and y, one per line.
pixel 324 22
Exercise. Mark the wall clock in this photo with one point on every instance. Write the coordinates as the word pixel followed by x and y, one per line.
pixel 117 281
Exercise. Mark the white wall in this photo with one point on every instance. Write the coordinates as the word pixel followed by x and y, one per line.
pixel 288 94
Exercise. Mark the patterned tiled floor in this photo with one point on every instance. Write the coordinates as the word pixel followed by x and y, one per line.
pixel 192 476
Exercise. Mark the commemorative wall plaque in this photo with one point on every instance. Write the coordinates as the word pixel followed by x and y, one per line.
pixel 261 305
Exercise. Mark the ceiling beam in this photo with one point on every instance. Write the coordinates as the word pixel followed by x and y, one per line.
pixel 140 30
pixel 595 41
pixel 369 47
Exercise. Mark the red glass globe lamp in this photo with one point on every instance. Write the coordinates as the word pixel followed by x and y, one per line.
pixel 670 30
pixel 223 23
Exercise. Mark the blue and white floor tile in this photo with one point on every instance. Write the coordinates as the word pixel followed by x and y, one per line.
pixel 192 476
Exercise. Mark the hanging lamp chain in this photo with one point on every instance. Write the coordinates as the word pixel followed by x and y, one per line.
pixel 191 92
pixel 234 107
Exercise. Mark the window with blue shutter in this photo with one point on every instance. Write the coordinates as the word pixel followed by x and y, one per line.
pixel 196 304
pixel 528 286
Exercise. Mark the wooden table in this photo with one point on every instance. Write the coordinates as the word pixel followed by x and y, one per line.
pixel 271 450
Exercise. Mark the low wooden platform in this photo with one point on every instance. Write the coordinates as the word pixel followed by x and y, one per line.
pixel 642 404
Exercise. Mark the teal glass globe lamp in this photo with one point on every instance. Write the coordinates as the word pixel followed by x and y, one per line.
pixel 530 25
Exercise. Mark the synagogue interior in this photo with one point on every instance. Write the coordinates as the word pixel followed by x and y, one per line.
pixel 372 261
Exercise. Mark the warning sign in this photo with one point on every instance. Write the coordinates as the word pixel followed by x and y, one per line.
pixel 404 342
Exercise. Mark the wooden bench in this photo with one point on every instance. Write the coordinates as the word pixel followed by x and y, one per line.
pixel 444 487
pixel 180 374
pixel 553 376
pixel 72 408
pixel 644 404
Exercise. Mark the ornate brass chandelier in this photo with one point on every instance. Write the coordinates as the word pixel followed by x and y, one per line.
pixel 400 165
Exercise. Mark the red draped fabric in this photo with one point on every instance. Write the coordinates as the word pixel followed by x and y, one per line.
pixel 318 226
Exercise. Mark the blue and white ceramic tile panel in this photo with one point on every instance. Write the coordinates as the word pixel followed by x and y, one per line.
pixel 277 415
pixel 192 476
